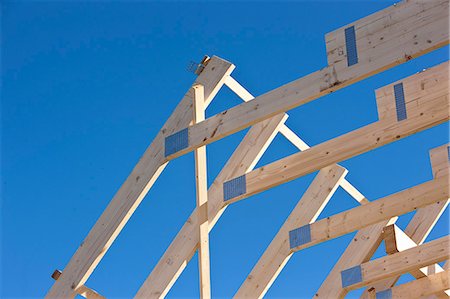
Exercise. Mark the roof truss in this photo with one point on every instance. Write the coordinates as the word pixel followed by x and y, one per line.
pixel 356 51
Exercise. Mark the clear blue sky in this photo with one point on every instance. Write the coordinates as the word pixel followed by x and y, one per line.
pixel 86 87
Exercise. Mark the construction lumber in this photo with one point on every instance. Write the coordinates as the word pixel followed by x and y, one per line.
pixel 426 104
pixel 292 137
pixel 425 218
pixel 201 185
pixel 368 239
pixel 378 42
pixel 382 209
pixel 83 290
pixel 135 187
pixel 396 264
pixel 278 252
pixel 396 240
pixel 183 247
pixel 426 286
pixel 360 250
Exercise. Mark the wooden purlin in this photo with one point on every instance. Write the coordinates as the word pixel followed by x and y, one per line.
pixel 368 239
pixel 134 189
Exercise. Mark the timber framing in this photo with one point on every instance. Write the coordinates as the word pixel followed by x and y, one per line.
pixel 354 52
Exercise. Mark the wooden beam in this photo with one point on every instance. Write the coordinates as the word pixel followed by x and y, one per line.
pixel 201 182
pixel 368 239
pixel 83 290
pixel 396 264
pixel 134 189
pixel 420 28
pixel 426 217
pixel 382 209
pixel 425 286
pixel 291 136
pixel 183 247
pixel 396 240
pixel 278 252
pixel 427 104
pixel 360 250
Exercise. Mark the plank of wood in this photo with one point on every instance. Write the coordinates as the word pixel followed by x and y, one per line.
pixel 396 240
pixel 396 264
pixel 360 250
pixel 134 189
pixel 183 247
pixel 429 33
pixel 201 184
pixel 368 239
pixel 292 137
pixel 429 107
pixel 420 288
pixel 426 217
pixel 382 209
pixel 278 252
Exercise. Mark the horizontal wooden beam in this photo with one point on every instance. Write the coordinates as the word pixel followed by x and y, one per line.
pixel 382 209
pixel 426 103
pixel 134 189
pixel 423 27
pixel 278 252
pixel 396 264
pixel 183 247
pixel 419 288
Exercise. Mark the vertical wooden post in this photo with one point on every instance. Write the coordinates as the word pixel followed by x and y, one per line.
pixel 202 198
